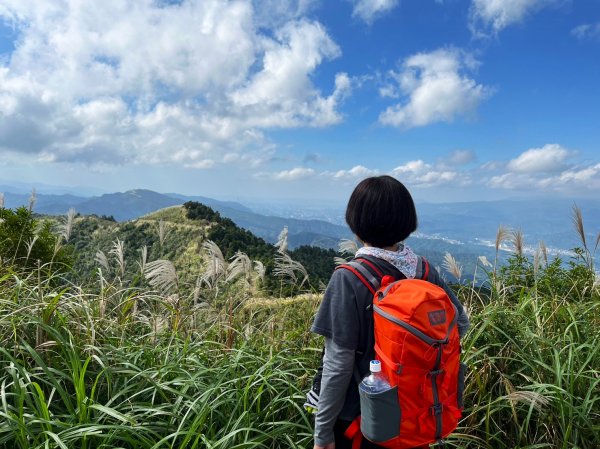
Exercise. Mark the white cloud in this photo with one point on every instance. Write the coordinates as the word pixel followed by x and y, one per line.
pixel 294 174
pixel 549 168
pixel 587 31
pixel 143 82
pixel 573 181
pixel 421 174
pixel 436 89
pixel 549 158
pixel 356 172
pixel 586 178
pixel 495 15
pixel 370 10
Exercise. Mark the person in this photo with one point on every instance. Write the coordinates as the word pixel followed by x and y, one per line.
pixel 382 215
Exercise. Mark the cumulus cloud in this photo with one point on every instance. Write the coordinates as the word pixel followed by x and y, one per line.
pixel 549 158
pixel 586 177
pixel 421 174
pixel 494 15
pixel 356 172
pixel 193 83
pixel 587 31
pixel 370 10
pixel 550 168
pixel 573 180
pixel 294 174
pixel 436 89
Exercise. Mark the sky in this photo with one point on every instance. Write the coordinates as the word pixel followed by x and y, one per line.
pixel 301 99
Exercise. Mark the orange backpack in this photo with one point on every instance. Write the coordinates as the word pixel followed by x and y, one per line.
pixel 417 343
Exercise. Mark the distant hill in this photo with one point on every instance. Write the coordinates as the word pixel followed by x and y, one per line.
pixel 136 203
pixel 466 230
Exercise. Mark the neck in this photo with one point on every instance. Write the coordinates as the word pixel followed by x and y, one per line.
pixel 388 248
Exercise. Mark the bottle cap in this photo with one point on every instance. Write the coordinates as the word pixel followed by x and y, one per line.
pixel 375 366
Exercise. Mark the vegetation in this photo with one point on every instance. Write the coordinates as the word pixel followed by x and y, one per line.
pixel 27 242
pixel 147 356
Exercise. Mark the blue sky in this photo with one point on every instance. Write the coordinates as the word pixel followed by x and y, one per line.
pixel 459 99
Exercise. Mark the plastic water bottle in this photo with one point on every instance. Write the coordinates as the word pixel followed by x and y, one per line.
pixel 376 382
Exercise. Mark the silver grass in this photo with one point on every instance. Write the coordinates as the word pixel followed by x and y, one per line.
pixel 532 398
pixel 501 235
pixel 347 246
pixel 339 261
pixel 57 246
pixel 485 262
pixel 161 274
pixel 1 200
pixel 101 259
pixel 30 245
pixel 163 232
pixel 214 264
pixel 452 266
pixel 67 226
pixel 516 237
pixel 597 242
pixel 197 289
pixel 544 251
pixel 577 219
pixel 286 267
pixel 118 252
pixel 240 265
pixel 32 199
pixel 260 270
pixel 143 258
pixel 282 240
pixel 537 256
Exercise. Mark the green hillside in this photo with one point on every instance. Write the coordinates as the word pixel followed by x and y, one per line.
pixel 177 234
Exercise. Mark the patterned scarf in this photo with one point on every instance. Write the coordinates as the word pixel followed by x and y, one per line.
pixel 404 259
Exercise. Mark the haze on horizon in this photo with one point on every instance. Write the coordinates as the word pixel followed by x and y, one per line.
pixel 459 99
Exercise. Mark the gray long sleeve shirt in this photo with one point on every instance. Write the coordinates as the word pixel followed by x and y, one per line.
pixel 345 320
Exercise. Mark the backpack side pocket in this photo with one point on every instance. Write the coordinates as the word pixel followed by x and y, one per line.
pixel 380 415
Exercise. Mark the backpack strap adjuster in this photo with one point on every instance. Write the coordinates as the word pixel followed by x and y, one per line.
pixel 436 410
pixel 436 372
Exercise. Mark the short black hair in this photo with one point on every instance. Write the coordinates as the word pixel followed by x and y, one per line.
pixel 381 211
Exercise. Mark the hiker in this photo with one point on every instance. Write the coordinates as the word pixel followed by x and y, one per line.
pixel 381 213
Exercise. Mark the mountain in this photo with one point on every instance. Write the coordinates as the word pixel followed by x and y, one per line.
pixel 136 203
pixel 466 229
pixel 44 204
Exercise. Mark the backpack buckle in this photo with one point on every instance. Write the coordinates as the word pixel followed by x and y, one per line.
pixel 436 409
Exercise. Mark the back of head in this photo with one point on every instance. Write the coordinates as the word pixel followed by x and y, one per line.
pixel 381 211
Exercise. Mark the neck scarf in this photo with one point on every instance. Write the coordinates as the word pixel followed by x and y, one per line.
pixel 405 260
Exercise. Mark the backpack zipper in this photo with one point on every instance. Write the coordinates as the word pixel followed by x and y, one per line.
pixel 413 330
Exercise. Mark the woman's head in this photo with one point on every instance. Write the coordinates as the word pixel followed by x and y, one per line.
pixel 381 211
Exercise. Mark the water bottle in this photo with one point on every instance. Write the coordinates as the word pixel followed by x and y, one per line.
pixel 376 382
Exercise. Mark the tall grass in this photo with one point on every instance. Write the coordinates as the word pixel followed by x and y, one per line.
pixel 104 382
pixel 133 365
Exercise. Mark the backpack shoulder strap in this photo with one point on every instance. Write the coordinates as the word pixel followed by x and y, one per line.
pixel 363 274
pixel 425 268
